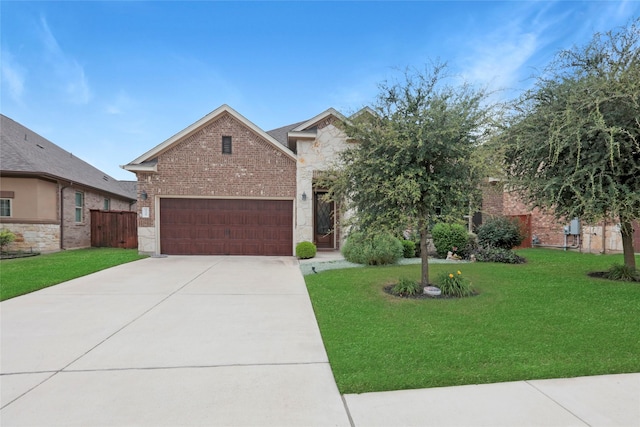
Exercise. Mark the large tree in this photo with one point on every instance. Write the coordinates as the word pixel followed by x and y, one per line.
pixel 574 144
pixel 411 156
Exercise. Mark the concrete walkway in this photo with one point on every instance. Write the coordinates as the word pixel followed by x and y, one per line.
pixel 233 341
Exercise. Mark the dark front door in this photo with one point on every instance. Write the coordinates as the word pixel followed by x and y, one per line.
pixel 323 222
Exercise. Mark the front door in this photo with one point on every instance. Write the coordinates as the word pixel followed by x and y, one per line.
pixel 323 221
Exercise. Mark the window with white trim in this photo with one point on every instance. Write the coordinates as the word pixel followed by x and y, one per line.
pixel 79 206
pixel 107 204
pixel 5 207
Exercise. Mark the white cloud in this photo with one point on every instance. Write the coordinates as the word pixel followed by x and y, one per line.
pixel 12 76
pixel 68 72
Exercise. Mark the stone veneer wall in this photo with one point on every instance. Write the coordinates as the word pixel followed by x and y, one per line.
pixel 196 167
pixel 34 237
pixel 317 155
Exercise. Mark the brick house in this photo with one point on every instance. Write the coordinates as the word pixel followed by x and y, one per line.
pixel 224 186
pixel 544 230
pixel 46 193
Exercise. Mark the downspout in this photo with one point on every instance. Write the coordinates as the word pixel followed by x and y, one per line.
pixel 604 236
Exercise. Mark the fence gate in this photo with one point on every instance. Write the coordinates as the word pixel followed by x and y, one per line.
pixel 114 229
pixel 525 227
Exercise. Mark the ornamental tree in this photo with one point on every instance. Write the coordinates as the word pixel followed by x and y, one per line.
pixel 574 141
pixel 411 159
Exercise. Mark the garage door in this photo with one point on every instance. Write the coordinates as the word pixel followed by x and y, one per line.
pixel 226 227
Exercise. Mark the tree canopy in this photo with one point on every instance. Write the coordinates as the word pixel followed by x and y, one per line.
pixel 411 161
pixel 573 143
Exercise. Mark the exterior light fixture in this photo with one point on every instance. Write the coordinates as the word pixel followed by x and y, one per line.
pixel 304 196
pixel 143 195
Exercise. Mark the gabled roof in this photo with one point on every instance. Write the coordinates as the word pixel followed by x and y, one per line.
pixel 280 134
pixel 146 161
pixel 26 152
pixel 311 122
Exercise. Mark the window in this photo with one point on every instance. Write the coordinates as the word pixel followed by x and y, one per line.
pixel 5 207
pixel 79 206
pixel 226 145
pixel 107 204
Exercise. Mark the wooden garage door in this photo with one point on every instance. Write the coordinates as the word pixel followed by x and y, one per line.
pixel 226 227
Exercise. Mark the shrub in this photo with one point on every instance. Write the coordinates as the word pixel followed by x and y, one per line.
pixel 506 256
pixel 305 250
pixel 6 237
pixel 500 232
pixel 454 285
pixel 622 272
pixel 406 287
pixel 372 249
pixel 449 237
pixel 409 248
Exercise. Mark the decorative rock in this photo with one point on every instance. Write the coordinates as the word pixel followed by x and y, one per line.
pixel 432 291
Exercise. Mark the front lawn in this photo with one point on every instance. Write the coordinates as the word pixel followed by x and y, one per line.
pixel 542 319
pixel 24 275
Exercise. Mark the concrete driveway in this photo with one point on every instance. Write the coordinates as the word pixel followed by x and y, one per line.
pixel 169 341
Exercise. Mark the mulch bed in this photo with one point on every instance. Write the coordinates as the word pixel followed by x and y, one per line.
pixel 13 255
pixel 389 290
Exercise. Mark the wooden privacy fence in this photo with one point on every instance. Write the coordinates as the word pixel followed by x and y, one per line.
pixel 114 229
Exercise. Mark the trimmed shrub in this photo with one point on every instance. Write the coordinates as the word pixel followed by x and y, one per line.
pixel 406 287
pixel 449 237
pixel 305 250
pixel 372 249
pixel 623 273
pixel 6 237
pixel 454 285
pixel 409 248
pixel 500 232
pixel 506 256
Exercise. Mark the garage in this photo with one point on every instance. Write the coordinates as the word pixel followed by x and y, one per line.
pixel 226 227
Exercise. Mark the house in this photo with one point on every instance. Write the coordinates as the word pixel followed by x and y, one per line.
pixel 47 193
pixel 224 186
pixel 544 230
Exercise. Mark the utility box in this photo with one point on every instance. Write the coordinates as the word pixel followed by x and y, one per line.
pixel 574 227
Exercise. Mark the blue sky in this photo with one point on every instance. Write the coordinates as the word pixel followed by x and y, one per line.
pixel 110 80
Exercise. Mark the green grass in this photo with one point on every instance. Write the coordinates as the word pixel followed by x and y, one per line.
pixel 24 275
pixel 542 319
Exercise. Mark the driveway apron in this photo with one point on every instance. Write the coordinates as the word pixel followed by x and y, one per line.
pixel 169 341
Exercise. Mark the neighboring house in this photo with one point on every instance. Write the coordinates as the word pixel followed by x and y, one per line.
pixel 544 230
pixel 46 193
pixel 225 186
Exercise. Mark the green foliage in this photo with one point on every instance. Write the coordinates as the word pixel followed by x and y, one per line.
pixel 505 256
pixel 450 237
pixel 412 157
pixel 409 248
pixel 623 273
pixel 406 287
pixel 372 249
pixel 305 250
pixel 6 237
pixel 573 145
pixel 500 232
pixel 454 285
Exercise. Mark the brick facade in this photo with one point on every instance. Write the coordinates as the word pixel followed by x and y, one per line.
pixel 78 234
pixel 544 225
pixel 196 167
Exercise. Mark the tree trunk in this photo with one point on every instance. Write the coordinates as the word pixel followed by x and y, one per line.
pixel 423 229
pixel 626 228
